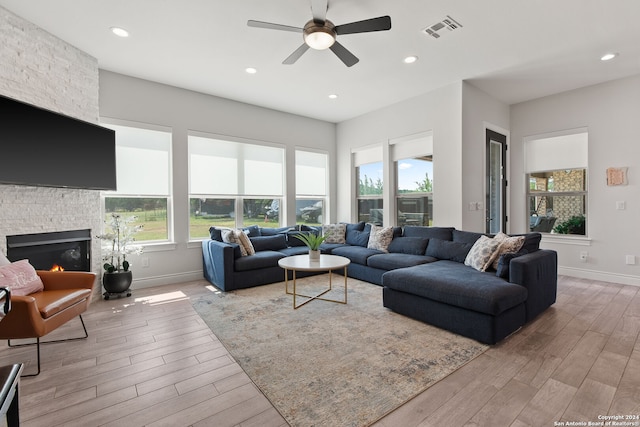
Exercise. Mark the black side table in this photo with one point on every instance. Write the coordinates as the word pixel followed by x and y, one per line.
pixel 9 381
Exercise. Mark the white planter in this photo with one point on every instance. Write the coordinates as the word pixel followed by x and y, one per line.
pixel 314 255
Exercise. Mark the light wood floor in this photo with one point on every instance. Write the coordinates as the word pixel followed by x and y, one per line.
pixel 150 360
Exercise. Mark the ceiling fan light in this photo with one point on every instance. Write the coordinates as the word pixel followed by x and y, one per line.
pixel 319 39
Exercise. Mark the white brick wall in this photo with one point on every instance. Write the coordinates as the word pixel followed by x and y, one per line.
pixel 39 68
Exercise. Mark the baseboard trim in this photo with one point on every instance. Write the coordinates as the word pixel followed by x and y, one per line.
pixel 167 279
pixel 603 276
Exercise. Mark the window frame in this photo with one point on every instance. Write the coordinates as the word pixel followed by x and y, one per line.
pixel 324 198
pixel 549 153
pixel 104 195
pixel 239 196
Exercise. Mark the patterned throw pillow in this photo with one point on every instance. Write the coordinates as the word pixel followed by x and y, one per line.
pixel 21 278
pixel 240 238
pixel 482 253
pixel 380 237
pixel 334 233
pixel 507 245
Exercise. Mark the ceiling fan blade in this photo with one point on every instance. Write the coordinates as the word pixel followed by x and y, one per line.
pixel 381 23
pixel 319 9
pixel 345 56
pixel 296 54
pixel 272 26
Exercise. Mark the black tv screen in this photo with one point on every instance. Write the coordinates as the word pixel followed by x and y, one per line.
pixel 41 148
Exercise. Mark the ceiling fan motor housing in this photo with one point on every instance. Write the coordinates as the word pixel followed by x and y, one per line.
pixel 319 35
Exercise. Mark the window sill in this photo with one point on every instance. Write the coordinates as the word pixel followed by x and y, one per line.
pixel 192 244
pixel 158 247
pixel 566 239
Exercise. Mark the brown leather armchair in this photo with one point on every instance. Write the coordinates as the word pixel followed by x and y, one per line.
pixel 66 294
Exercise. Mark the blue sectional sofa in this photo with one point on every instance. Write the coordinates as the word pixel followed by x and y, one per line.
pixel 423 274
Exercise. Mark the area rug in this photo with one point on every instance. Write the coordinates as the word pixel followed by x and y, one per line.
pixel 329 364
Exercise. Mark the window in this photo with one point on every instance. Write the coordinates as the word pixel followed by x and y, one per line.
pixel 369 192
pixel 557 183
pixel 311 187
pixel 143 172
pixel 414 195
pixel 413 163
pixel 227 177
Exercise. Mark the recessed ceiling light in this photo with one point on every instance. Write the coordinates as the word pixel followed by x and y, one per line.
pixel 333 96
pixel 120 32
pixel 608 56
pixel 251 70
pixel 410 59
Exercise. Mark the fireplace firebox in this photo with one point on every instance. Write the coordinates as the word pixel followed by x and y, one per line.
pixel 61 250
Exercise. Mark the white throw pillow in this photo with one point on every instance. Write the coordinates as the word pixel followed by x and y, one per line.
pixel 507 245
pixel 482 253
pixel 380 238
pixel 334 233
pixel 240 238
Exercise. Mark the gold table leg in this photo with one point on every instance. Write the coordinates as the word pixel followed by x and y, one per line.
pixel 313 297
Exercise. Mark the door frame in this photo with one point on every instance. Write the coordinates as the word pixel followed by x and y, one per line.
pixel 495 133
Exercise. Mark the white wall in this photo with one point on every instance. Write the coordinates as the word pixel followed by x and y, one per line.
pixel 438 111
pixel 458 115
pixel 479 112
pixel 135 100
pixel 610 112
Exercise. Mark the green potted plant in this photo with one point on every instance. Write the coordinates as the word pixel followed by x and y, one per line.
pixel 313 242
pixel 574 225
pixel 117 244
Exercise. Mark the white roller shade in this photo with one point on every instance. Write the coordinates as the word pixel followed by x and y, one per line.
pixel 233 168
pixel 367 155
pixel 311 173
pixel 555 153
pixel 412 146
pixel 143 161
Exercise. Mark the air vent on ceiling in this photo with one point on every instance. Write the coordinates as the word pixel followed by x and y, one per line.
pixel 436 30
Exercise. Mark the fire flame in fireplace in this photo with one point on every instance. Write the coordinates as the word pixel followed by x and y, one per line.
pixel 56 267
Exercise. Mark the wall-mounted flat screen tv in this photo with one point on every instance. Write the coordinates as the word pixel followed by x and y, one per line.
pixel 39 147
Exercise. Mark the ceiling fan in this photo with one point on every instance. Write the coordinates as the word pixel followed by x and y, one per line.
pixel 320 33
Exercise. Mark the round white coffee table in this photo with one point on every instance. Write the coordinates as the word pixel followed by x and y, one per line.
pixel 326 263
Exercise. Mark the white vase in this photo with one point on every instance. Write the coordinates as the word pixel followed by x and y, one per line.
pixel 314 255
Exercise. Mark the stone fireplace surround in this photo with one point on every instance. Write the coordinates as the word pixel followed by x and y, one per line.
pixel 43 70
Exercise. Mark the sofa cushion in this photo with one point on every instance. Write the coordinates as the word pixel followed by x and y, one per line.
pixel 482 254
pixel 294 241
pixel 269 243
pixel 294 250
pixel 358 234
pixel 20 277
pixel 334 233
pixel 443 233
pixel 466 236
pixel 391 261
pixel 263 259
pixel 507 245
pixel 447 250
pixel 504 261
pixel 408 245
pixel 531 241
pixel 215 233
pixel 328 248
pixel 252 231
pixel 456 284
pixel 380 237
pixel 239 237
pixel 269 231
pixel 356 254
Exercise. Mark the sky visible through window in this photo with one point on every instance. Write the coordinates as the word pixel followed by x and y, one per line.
pixel 411 172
